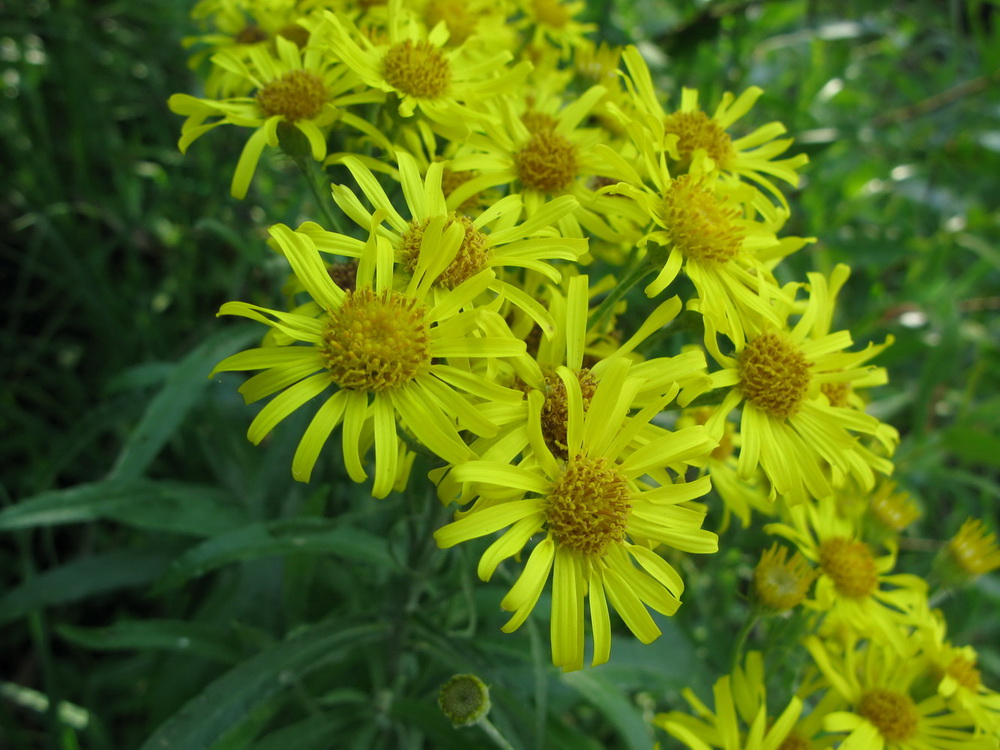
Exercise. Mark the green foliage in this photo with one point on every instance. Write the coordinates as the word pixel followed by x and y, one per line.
pixel 171 579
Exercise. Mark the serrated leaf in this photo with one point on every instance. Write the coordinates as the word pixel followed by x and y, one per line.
pixel 145 503
pixel 276 538
pixel 180 392
pixel 230 699
pixel 208 641
pixel 84 577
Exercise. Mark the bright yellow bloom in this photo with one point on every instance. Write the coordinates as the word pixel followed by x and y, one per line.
pixel 446 85
pixel 699 143
pixel 298 90
pixel 740 720
pixel 383 353
pixel 544 153
pixel 974 549
pixel 855 588
pixel 704 227
pixel 779 583
pixel 490 240
pixel 554 22
pixel 803 440
pixel 597 515
pixel 958 678
pixel 887 709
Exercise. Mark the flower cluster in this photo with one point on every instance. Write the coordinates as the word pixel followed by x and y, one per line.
pixel 497 186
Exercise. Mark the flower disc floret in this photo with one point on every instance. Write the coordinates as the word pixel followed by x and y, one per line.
pixel 551 13
pixel 780 583
pixel 850 565
pixel 774 375
pixel 695 130
pixel 701 225
pixel 297 95
pixel 376 341
pixel 588 507
pixel 417 68
pixel 548 162
pixel 794 742
pixel 471 258
pixel 555 411
pixel 964 672
pixel 893 714
pixel 464 699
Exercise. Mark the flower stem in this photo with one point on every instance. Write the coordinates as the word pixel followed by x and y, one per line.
pixel 633 276
pixel 319 184
pixel 741 639
pixel 494 734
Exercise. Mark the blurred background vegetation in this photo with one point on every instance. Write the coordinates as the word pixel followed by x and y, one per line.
pixel 161 557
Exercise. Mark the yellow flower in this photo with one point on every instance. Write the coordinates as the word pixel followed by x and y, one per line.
pixel 887 709
pixel 699 143
pixel 958 679
pixel 383 353
pixel 597 516
pixel 804 442
pixel 297 90
pixel 544 153
pixel 974 549
pixel 554 22
pixel 446 85
pixel 779 583
pixel 703 226
pixel 490 240
pixel 238 26
pixel 855 588
pixel 740 720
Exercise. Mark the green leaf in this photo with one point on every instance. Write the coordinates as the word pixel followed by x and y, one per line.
pixel 275 538
pixel 607 698
pixel 84 577
pixel 314 733
pixel 232 698
pixel 973 446
pixel 180 392
pixel 145 503
pixel 208 641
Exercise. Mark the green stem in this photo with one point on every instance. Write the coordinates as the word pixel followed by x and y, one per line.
pixel 320 187
pixel 633 276
pixel 741 639
pixel 494 734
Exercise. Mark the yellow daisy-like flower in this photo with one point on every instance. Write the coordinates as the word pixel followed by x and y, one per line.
pixel 544 153
pixel 779 584
pixel 421 72
pixel 597 517
pixel 855 588
pixel 804 442
pixel 702 143
pixel 881 686
pixel 297 89
pixel 238 26
pixel 382 352
pixel 554 22
pixel 491 240
pixel 959 680
pixel 703 227
pixel 740 720
pixel 974 549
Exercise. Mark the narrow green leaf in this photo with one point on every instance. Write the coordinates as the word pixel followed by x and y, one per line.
pixel 314 733
pixel 275 538
pixel 145 503
pixel 208 641
pixel 180 392
pixel 232 698
pixel 84 577
pixel 607 698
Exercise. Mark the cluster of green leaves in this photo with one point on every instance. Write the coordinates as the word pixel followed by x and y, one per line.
pixel 165 584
